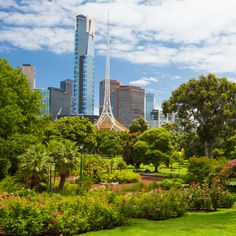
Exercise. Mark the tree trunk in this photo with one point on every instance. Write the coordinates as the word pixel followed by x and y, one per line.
pixel 156 169
pixel 206 148
pixel 62 182
pixel 137 165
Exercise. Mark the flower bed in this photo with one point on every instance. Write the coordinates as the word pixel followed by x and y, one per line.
pixel 53 215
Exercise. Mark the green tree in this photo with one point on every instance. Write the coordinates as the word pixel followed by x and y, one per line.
pixel 140 150
pixel 76 129
pixel 176 134
pixel 128 152
pixel 192 144
pixel 20 106
pixel 227 148
pixel 159 142
pixel 19 111
pixel 205 105
pixel 109 143
pixel 66 158
pixel 138 125
pixel 33 166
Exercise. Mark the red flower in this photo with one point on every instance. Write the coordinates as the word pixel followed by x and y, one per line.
pixel 53 221
pixel 55 215
pixel 42 203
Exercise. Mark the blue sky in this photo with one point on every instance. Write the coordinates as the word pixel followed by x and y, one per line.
pixel 155 44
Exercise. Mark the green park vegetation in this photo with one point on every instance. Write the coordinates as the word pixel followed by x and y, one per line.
pixel 192 224
pixel 55 177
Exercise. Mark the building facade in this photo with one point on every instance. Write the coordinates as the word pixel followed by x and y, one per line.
pixel 68 86
pixel 114 85
pixel 158 118
pixel 130 104
pixel 60 99
pixel 83 102
pixel 150 99
pixel 29 71
pixel 45 100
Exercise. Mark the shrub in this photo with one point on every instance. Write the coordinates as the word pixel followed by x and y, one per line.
pixel 203 169
pixel 59 214
pixel 199 198
pixel 204 198
pixel 8 184
pixel 170 183
pixel 155 205
pixel 121 176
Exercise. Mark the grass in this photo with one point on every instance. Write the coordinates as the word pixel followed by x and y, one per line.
pixel 222 223
pixel 166 171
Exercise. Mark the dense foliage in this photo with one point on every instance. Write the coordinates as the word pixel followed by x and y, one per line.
pixel 19 111
pixel 202 105
pixel 156 144
pixel 55 215
pixel 138 125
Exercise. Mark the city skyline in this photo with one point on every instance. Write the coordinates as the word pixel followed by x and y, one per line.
pixel 156 45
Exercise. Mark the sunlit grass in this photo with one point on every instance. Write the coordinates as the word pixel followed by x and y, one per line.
pixel 222 223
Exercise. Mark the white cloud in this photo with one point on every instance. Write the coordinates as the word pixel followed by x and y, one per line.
pixel 199 35
pixel 144 81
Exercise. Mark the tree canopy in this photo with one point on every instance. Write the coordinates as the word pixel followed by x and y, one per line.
pixel 138 125
pixel 75 129
pixel 205 105
pixel 157 146
pixel 19 111
pixel 19 105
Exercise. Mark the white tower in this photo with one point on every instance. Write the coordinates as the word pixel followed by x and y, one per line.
pixel 106 120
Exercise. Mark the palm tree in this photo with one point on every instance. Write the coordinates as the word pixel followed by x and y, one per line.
pixel 33 167
pixel 66 158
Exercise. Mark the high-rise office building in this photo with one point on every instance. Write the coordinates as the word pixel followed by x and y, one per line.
pixel 67 85
pixel 83 102
pixel 149 104
pixel 60 99
pixel 158 118
pixel 114 84
pixel 29 71
pixel 130 104
pixel 45 100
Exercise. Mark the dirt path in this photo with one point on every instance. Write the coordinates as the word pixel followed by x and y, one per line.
pixel 147 179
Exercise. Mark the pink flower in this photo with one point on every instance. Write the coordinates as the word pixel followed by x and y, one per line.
pixel 53 221
pixel 55 215
pixel 42 203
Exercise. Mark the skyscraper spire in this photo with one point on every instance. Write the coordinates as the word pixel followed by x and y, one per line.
pixel 106 120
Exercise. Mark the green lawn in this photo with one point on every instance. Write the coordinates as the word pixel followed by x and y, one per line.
pixel 220 223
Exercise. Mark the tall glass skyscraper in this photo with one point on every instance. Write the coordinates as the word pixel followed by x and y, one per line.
pixel 83 102
pixel 149 104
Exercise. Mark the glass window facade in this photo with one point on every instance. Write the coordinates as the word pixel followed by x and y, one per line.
pixel 149 105
pixel 83 102
pixel 45 100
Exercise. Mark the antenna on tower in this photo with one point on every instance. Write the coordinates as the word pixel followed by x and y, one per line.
pixel 106 120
